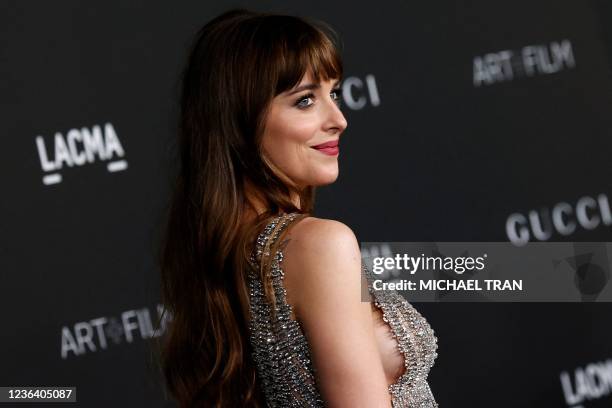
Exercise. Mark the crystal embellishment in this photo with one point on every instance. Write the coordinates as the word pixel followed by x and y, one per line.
pixel 280 348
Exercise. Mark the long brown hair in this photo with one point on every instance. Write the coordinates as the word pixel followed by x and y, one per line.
pixel 238 62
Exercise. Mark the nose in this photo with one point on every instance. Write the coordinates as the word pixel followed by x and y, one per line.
pixel 335 121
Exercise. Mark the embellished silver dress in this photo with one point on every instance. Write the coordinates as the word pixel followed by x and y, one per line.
pixel 281 352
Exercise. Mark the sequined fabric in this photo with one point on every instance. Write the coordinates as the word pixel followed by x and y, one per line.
pixel 416 341
pixel 281 352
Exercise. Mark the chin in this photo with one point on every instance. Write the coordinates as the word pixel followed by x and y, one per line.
pixel 325 179
pixel 319 176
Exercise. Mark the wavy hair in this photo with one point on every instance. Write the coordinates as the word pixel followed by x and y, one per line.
pixel 237 64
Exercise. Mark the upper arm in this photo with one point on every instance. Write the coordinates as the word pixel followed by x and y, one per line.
pixel 323 279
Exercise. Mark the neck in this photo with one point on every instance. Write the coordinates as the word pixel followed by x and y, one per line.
pixel 256 203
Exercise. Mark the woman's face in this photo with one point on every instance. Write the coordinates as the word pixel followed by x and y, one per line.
pixel 302 130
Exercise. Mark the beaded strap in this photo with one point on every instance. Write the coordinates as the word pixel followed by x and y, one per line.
pixel 270 235
pixel 281 352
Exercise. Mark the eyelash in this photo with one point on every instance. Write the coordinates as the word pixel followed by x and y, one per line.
pixel 311 95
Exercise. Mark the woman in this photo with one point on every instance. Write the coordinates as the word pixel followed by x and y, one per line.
pixel 265 299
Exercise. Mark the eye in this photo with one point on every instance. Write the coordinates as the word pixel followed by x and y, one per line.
pixel 336 95
pixel 302 101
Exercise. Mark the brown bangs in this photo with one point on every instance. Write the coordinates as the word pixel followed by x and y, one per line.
pixel 301 47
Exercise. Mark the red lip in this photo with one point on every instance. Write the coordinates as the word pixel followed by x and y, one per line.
pixel 328 148
pixel 333 143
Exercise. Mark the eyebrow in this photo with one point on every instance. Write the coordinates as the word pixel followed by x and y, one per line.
pixel 310 87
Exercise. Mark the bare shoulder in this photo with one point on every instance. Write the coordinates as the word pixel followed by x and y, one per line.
pixel 313 236
pixel 322 260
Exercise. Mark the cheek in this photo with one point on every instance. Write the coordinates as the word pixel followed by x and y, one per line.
pixel 287 140
pixel 291 132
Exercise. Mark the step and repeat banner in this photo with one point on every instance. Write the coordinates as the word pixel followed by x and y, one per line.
pixel 468 122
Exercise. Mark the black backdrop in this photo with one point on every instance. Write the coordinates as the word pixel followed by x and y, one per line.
pixel 460 114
